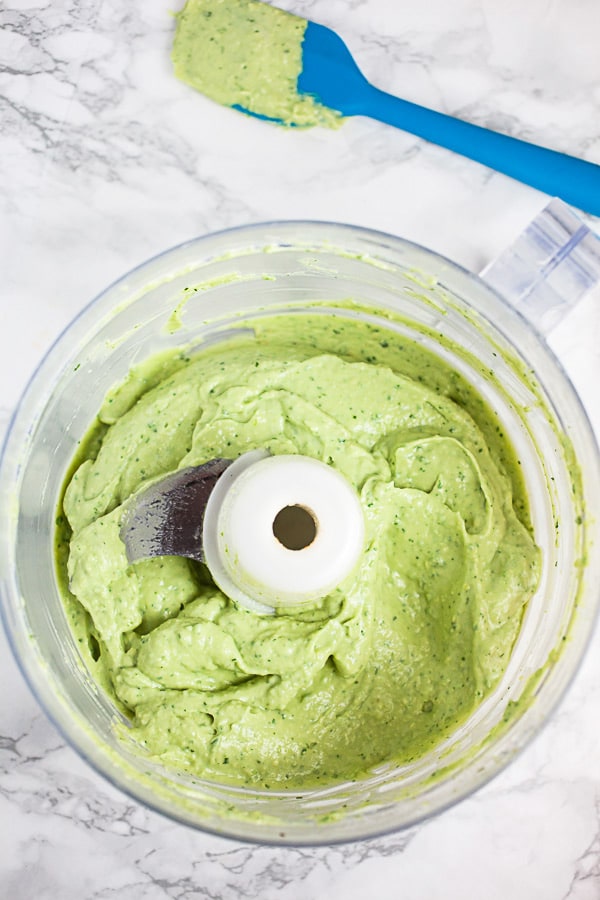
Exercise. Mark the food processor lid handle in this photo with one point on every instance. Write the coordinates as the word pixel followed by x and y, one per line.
pixel 553 263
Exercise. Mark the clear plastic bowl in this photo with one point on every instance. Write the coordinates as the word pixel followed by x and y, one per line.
pixel 247 272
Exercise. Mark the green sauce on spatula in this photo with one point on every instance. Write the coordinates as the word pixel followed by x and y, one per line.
pixel 248 55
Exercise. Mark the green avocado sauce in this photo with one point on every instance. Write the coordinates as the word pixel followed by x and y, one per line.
pixel 390 663
pixel 247 54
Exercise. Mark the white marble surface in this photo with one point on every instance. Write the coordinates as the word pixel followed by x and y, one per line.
pixel 106 159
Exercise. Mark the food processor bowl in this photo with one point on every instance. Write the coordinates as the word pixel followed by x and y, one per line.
pixel 199 293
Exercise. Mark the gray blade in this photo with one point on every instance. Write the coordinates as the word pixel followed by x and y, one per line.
pixel 166 519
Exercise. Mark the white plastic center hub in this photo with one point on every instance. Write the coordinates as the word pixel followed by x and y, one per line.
pixel 281 531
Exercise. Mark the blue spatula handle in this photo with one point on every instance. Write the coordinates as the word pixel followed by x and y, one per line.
pixel 332 76
pixel 574 180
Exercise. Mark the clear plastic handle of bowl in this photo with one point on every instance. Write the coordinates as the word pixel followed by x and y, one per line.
pixel 553 263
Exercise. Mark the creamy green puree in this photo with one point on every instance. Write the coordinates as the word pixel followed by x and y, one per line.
pixel 398 655
pixel 247 54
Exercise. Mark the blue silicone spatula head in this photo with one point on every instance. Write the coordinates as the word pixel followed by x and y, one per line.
pixel 330 73
pixel 280 66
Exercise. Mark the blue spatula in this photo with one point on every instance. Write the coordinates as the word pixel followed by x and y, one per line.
pixel 330 74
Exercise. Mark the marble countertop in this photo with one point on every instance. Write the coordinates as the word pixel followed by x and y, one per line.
pixel 107 159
